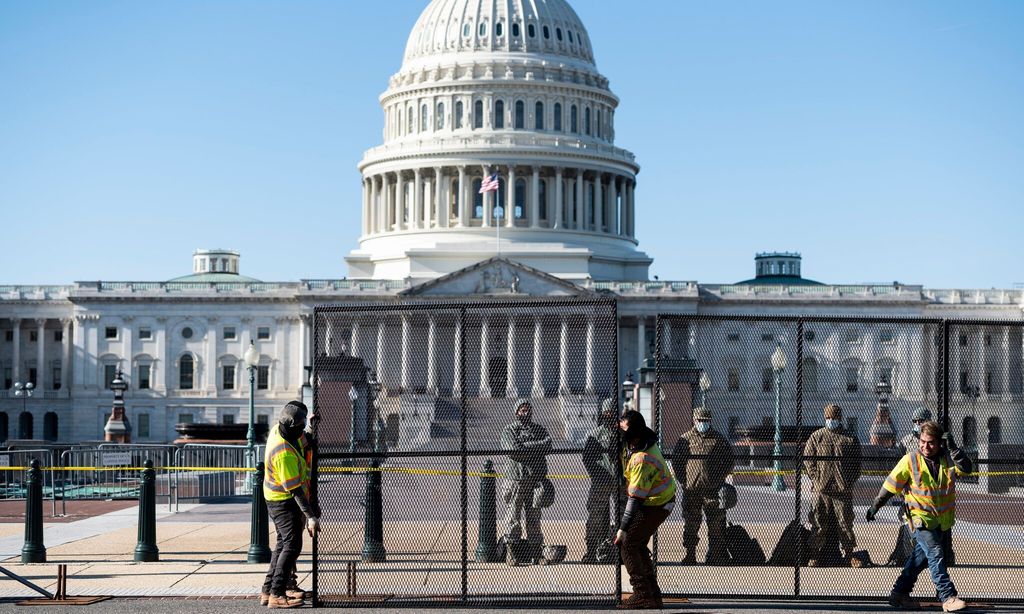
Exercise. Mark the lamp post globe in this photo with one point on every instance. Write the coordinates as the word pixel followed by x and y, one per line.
pixel 778 366
pixel 627 391
pixel 705 385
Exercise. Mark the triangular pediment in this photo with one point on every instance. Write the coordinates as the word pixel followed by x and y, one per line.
pixel 497 277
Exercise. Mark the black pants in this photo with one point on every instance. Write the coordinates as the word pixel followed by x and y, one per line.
pixel 290 523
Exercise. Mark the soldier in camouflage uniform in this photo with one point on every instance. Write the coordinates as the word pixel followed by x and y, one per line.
pixel 528 445
pixel 598 458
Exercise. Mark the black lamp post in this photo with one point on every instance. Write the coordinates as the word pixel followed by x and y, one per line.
pixel 778 366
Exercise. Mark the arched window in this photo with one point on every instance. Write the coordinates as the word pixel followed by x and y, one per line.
pixel 810 378
pixel 50 426
pixel 499 29
pixel 440 116
pixel 531 31
pixel 410 121
pixel 599 123
pixel 423 118
pixel 520 199
pixel 466 29
pixel 478 201
pixel 515 29
pixel 520 121
pixel 573 120
pixel 499 113
pixel 538 116
pixel 4 426
pixel 547 32
pixel 586 121
pixel 569 32
pixel 483 29
pixel 542 205
pixel 995 430
pixel 458 114
pixel 25 428
pixel 558 33
pixel 478 114
pixel 557 117
pixel 970 437
pixel 186 372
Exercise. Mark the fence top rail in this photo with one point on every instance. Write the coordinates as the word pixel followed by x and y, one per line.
pixel 839 319
pixel 524 301
pixel 228 446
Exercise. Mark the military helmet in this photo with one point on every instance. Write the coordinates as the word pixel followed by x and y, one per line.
pixel 701 413
pixel 921 413
pixel 608 406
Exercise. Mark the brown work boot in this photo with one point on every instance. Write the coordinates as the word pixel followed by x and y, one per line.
pixel 636 601
pixel 953 604
pixel 813 563
pixel 295 592
pixel 903 602
pixel 264 598
pixel 284 602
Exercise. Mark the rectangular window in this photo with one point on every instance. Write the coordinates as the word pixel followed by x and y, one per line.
pixel 145 333
pixel 886 336
pixel 8 335
pixel 144 377
pixel 184 418
pixel 852 378
pixel 963 339
pixel 58 336
pixel 142 426
pixel 32 373
pixel 263 377
pixel 110 332
pixel 33 336
pixel 56 378
pixel 988 383
pixel 965 382
pixel 263 419
pixel 767 379
pixel 228 377
pixel 263 333
pixel 734 380
pixel 8 374
pixel 229 333
pixel 227 419
pixel 109 373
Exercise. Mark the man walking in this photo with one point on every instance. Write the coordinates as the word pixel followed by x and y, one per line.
pixel 927 479
pixel 599 461
pixel 527 444
pixel 833 480
pixel 651 492
pixel 701 460
pixel 286 489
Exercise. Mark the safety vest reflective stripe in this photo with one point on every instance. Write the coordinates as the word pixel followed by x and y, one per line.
pixel 932 498
pixel 282 457
pixel 896 485
pixel 654 462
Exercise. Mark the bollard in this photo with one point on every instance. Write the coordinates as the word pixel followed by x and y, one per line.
pixel 259 549
pixel 487 534
pixel 33 551
pixel 146 550
pixel 373 524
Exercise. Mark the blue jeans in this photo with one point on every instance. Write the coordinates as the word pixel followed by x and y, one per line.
pixel 928 553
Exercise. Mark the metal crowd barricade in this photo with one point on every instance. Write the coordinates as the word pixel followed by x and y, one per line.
pixel 12 481
pixel 110 471
pixel 207 471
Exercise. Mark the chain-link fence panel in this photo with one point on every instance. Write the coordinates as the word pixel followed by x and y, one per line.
pixel 453 439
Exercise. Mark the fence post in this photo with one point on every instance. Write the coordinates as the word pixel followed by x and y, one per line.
pixel 373 527
pixel 146 550
pixel 487 532
pixel 34 551
pixel 259 549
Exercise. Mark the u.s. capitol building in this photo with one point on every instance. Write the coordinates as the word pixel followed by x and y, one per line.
pixel 510 88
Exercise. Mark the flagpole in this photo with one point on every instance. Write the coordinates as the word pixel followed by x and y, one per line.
pixel 497 226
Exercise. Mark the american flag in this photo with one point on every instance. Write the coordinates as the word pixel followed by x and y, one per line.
pixel 489 184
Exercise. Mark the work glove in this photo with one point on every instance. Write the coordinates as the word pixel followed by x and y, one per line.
pixel 619 536
pixel 947 440
pixel 870 514
pixel 312 526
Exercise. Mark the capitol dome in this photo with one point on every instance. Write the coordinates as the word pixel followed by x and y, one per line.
pixel 507 89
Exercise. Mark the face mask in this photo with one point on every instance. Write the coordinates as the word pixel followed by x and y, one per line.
pixel 523 418
pixel 702 427
pixel 917 429
pixel 832 424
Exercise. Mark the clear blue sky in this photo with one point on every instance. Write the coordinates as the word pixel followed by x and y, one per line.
pixel 883 140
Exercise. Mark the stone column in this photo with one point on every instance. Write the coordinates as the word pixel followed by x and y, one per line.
pixel 641 343
pixel 400 222
pixel 590 355
pixel 563 358
pixel 16 356
pixel 632 208
pixel 211 355
pixel 598 204
pixel 487 202
pixel 375 224
pixel 40 353
pixel 510 197
pixel 581 210
pixel 465 205
pixel 366 208
pixel 559 187
pixel 431 358
pixel 457 362
pixel 485 360
pixel 535 198
pixel 417 214
pixel 65 361
pixel 355 348
pixel 613 220
pixel 441 204
pixel 511 389
pixel 163 355
pixel 537 391
pixel 666 338
pixel 404 379
pixel 379 362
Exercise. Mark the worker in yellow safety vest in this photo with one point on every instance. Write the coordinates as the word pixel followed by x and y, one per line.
pixel 651 492
pixel 286 489
pixel 926 478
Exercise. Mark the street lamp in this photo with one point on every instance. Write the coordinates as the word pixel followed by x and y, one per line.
pixel 24 391
pixel 705 385
pixel 627 392
pixel 778 366
pixel 252 362
pixel 353 397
